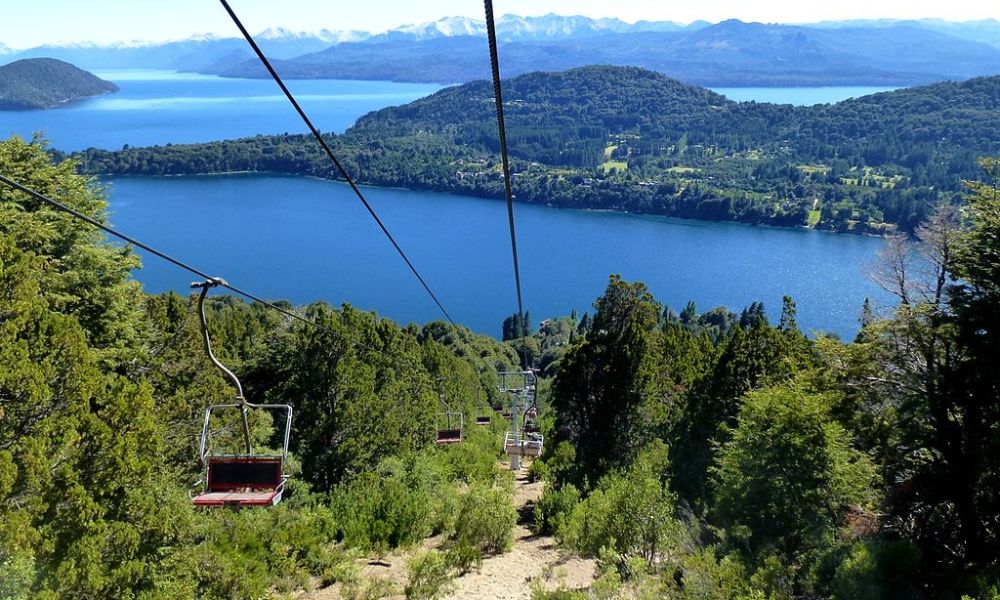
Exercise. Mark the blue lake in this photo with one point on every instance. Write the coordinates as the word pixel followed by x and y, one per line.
pixel 799 96
pixel 160 107
pixel 305 239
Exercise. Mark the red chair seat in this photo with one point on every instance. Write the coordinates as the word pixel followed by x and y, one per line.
pixel 242 481
pixel 265 498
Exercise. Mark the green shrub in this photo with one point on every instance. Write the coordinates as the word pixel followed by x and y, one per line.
pixel 430 477
pixel 703 575
pixel 539 471
pixel 17 572
pixel 429 576
pixel 342 568
pixel 785 478
pixel 368 589
pixel 630 512
pixel 464 556
pixel 485 521
pixel 877 570
pixel 475 459
pixel 554 508
pixel 561 464
pixel 537 593
pixel 8 473
pixel 383 510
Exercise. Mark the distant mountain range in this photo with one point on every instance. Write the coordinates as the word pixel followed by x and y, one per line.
pixel 513 28
pixel 450 50
pixel 986 31
pixel 46 83
pixel 202 53
pixel 731 53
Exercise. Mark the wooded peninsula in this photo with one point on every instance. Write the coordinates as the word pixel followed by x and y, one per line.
pixel 628 139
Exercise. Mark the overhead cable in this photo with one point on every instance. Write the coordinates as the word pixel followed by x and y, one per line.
pixel 329 152
pixel 502 131
pixel 131 240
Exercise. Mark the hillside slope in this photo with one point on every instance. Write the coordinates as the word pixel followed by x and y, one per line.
pixel 552 114
pixel 47 83
pixel 628 139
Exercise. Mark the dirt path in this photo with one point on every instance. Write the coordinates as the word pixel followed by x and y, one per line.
pixel 533 560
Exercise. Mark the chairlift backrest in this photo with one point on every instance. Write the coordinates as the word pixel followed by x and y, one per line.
pixel 513 381
pixel 530 444
pixel 231 473
pixel 450 426
pixel 205 450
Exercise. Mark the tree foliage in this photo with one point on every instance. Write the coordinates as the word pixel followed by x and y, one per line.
pixel 696 455
pixel 787 478
pixel 603 394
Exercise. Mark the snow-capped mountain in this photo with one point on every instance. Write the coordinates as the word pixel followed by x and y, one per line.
pixel 513 28
pixel 555 27
pixel 325 35
pixel 446 27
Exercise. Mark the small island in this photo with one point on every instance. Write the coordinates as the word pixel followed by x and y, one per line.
pixel 38 83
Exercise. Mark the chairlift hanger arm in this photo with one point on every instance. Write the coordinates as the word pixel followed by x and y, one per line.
pixel 241 401
pixel 205 286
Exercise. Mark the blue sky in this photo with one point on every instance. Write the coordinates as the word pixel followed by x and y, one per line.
pixel 27 23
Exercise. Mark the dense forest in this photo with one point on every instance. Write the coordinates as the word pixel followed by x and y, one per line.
pixel 627 139
pixel 46 83
pixel 695 455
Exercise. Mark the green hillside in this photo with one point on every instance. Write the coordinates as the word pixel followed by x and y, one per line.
pixel 47 83
pixel 622 138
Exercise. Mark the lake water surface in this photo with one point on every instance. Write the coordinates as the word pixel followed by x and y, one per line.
pixel 161 107
pixel 305 239
pixel 799 96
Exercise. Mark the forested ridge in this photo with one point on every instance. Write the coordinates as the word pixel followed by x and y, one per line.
pixel 620 138
pixel 694 454
pixel 46 83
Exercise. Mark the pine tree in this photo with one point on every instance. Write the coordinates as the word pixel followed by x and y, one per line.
pixel 603 395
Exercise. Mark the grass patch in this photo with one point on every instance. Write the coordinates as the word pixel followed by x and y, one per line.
pixel 621 165
pixel 813 218
pixel 683 170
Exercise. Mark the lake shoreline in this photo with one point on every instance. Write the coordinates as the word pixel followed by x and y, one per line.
pixel 467 195
pixel 306 239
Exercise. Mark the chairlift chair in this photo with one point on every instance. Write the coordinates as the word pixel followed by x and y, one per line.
pixel 237 480
pixel 484 413
pixel 450 425
pixel 528 444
